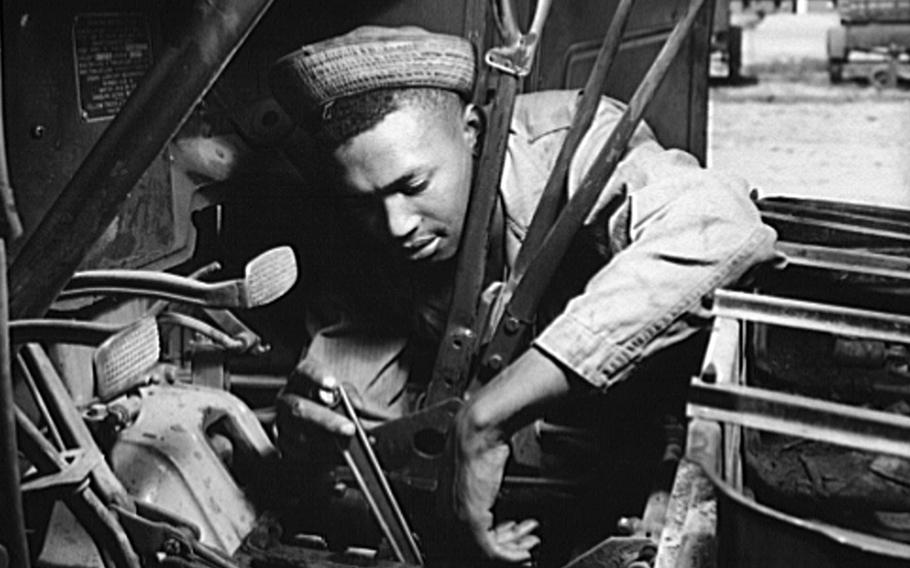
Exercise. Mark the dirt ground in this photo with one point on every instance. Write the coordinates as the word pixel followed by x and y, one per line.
pixel 802 136
pixel 794 133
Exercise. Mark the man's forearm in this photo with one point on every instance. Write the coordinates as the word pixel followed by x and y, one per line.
pixel 515 396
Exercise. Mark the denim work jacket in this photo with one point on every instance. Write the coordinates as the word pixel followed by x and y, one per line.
pixel 681 232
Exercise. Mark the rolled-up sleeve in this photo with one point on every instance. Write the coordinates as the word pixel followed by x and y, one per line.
pixel 689 231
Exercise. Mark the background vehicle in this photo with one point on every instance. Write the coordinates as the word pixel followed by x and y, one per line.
pixel 873 41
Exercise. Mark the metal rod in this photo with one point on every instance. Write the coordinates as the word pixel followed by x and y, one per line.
pixel 61 331
pixel 840 229
pixel 13 531
pixel 850 209
pixel 459 343
pixel 70 422
pixel 812 316
pixel 845 260
pixel 366 469
pixel 160 305
pixel 519 312
pixel 39 402
pixel 101 525
pixel 857 428
pixel 550 199
pixel 10 224
pixel 151 116
pixel 857 219
pixel 219 337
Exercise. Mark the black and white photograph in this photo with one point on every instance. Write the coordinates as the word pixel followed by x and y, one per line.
pixel 454 283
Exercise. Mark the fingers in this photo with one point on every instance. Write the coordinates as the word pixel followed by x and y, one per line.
pixel 510 530
pixel 301 412
pixel 310 371
pixel 518 538
pixel 510 542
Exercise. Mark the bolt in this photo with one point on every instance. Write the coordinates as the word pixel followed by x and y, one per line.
pixel 495 362
pixel 512 324
pixel 37 131
pixel 171 547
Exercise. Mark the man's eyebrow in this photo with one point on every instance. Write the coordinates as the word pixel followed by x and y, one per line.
pixel 403 183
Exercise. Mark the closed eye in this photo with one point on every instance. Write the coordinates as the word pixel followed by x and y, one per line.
pixel 414 187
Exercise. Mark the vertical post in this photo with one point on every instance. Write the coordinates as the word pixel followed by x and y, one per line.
pixel 12 533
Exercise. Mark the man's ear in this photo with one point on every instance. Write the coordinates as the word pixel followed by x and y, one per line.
pixel 473 124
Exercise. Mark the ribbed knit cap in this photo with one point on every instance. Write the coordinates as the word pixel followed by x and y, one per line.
pixel 368 58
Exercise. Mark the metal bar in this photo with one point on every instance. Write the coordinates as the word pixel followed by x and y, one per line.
pixel 507 21
pixel 68 419
pixel 237 330
pixel 812 316
pixel 366 469
pixel 857 219
pixel 550 199
pixel 219 337
pixel 96 519
pixel 61 331
pixel 459 342
pixel 467 317
pixel 10 224
pixel 160 305
pixel 150 117
pixel 838 228
pixel 29 379
pixel 857 428
pixel 520 310
pixel 860 209
pixel 12 534
pixel 845 260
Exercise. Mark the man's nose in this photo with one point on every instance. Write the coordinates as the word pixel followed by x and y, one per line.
pixel 400 215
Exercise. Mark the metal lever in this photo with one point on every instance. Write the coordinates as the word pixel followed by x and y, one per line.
pixel 359 456
pixel 268 277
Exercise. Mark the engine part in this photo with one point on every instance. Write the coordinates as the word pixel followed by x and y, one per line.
pixel 165 458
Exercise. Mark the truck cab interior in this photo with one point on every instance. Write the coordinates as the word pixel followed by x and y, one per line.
pixel 171 225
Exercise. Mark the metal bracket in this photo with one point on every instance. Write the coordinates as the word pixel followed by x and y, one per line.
pixel 517 56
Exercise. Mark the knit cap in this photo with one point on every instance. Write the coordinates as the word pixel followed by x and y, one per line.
pixel 368 58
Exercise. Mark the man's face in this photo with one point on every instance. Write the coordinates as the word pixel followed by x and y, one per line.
pixel 413 171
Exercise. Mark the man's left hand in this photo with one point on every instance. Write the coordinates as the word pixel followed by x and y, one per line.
pixel 482 431
pixel 479 466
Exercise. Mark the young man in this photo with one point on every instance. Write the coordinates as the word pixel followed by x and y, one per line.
pixel 389 109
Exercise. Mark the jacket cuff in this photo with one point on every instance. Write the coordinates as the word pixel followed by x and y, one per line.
pixel 592 357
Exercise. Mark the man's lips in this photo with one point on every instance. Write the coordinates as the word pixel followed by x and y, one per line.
pixel 422 248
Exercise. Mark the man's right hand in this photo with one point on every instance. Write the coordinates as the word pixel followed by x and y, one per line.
pixel 303 415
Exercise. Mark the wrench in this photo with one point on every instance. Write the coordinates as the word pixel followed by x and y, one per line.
pixel 360 458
